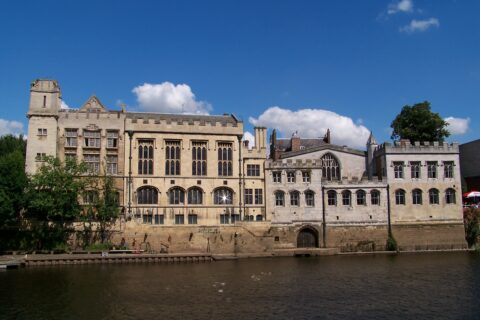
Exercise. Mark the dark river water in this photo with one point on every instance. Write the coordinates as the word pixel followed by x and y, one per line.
pixel 407 286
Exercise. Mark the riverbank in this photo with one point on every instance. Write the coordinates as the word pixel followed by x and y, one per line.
pixel 32 260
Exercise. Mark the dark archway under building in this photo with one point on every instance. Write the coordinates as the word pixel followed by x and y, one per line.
pixel 307 238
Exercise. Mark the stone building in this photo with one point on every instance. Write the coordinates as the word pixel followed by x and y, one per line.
pixel 170 169
pixel 334 196
pixel 189 182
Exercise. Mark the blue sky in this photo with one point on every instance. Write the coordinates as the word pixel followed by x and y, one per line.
pixel 296 65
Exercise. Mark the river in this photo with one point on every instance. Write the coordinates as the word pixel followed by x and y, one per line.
pixel 413 286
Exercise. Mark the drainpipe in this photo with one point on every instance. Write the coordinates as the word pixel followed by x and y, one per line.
pixel 324 225
pixel 240 176
pixel 130 136
pixel 388 212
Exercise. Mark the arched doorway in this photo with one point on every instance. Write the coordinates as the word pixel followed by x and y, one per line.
pixel 307 238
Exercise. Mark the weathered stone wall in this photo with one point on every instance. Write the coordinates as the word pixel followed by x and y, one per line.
pixel 260 238
pixel 429 236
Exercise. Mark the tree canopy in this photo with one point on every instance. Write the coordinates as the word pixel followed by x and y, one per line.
pixel 419 123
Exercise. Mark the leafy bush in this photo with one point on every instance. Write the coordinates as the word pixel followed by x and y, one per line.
pixel 471 218
pixel 391 243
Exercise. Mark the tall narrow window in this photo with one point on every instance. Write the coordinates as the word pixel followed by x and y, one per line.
pixel 248 196
pixel 294 198
pixel 398 169
pixel 277 176
pixel 309 198
pixel 92 139
pixel 347 198
pixel 225 159
pixel 44 101
pixel 332 198
pixel 450 196
pixel 71 136
pixel 93 162
pixel 415 169
pixel 112 164
pixel 279 198
pixel 330 167
pixel 176 196
pixel 145 157
pixel 306 176
pixel 112 139
pixel 291 176
pixel 199 158
pixel 361 198
pixel 417 196
pixel 448 169
pixel 400 197
pixel 433 196
pixel 172 158
pixel 253 170
pixel 375 197
pixel 258 196
pixel 432 169
pixel 195 196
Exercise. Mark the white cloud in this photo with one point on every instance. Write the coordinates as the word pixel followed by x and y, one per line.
pixel 169 98
pixel 313 123
pixel 10 127
pixel 251 139
pixel 457 126
pixel 420 25
pixel 400 6
pixel 63 105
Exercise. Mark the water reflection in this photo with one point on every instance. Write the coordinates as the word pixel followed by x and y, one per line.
pixel 395 287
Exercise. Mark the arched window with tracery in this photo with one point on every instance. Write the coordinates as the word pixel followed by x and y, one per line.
pixel 330 167
pixel 147 195
pixel 195 195
pixel 223 196
pixel 176 195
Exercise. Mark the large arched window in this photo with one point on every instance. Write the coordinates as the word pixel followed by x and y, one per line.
pixel 330 167
pixel 417 196
pixel 195 195
pixel 433 196
pixel 332 198
pixel 147 195
pixel 176 195
pixel 347 198
pixel 450 196
pixel 400 197
pixel 279 198
pixel 223 196
pixel 361 198
pixel 309 198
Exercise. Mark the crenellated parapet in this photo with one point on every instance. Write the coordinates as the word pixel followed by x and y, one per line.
pixel 425 147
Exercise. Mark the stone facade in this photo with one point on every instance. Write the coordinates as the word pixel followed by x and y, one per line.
pixel 189 183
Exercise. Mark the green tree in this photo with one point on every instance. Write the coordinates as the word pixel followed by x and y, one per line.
pixel 10 143
pixel 419 123
pixel 103 211
pixel 13 182
pixel 107 206
pixel 52 203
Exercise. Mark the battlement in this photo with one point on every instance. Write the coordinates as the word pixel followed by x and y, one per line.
pixel 404 146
